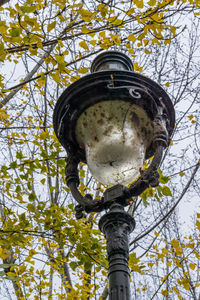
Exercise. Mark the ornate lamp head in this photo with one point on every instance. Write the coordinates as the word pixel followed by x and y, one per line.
pixel 113 119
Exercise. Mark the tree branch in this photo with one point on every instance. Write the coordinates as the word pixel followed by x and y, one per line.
pixel 173 207
pixel 26 79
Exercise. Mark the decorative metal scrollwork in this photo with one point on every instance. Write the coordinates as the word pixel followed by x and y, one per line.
pixel 134 90
pixel 133 93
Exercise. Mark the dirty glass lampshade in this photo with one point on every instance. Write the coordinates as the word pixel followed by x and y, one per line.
pixel 115 136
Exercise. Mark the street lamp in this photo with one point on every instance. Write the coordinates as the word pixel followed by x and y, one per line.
pixel 113 119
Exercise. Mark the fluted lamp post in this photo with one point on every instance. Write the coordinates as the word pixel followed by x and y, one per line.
pixel 113 119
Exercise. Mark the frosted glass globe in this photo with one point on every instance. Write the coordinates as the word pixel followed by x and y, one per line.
pixel 115 135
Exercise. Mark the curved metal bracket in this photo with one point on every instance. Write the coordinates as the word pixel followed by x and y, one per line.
pixel 116 194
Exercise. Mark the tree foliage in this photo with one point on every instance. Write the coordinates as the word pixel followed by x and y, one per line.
pixel 44 47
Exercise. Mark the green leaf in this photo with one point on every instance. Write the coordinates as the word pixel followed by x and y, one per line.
pixel 18 189
pixel 28 9
pixel 166 191
pixel 6 265
pixel 157 197
pixel 15 32
pixel 31 207
pixel 19 155
pixel 51 26
pixel 43 76
pixel 164 179
pixel 73 265
pixel 32 197
pixel 13 165
pixel 82 173
pixel 22 217
pixel 84 45
pixel 43 180
pixel 2 48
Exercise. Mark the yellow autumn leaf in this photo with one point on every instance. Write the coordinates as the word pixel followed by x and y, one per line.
pixel 181 174
pixel 32 252
pixel 115 21
pixel 4 253
pixel 84 29
pixel 176 290
pixel 186 284
pixel 167 83
pixel 173 30
pixel 191 117
pixel 116 39
pixel 164 278
pixel 150 264
pixel 83 70
pixel 60 59
pixel 75 78
pixel 151 2
pixel 147 51
pixel 175 243
pixel 197 284
pixel 167 41
pixel 11 274
pixel 164 293
pixel 3 115
pixel 132 38
pixel 102 34
pixel 131 51
pixel 198 225
pixel 84 45
pixel 130 11
pixel 192 266
pixel 53 245
pixel 43 180
pixel 86 15
pixel 93 42
pixel 43 135
pixel 82 189
pixel 146 42
pixel 138 3
pixel 137 67
pixel 103 9
pixel 55 77
pixel 155 41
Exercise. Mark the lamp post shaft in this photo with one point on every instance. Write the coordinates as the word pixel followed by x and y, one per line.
pixel 116 225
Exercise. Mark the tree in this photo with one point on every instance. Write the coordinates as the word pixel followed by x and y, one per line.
pixel 44 47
